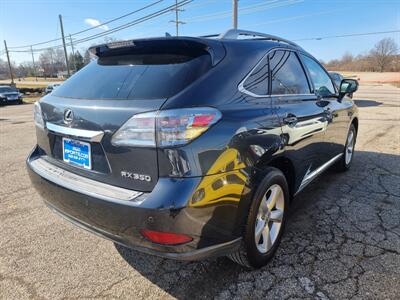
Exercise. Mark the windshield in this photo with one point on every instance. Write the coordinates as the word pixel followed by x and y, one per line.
pixel 144 76
pixel 6 90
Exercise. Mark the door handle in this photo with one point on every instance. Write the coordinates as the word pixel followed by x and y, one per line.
pixel 290 120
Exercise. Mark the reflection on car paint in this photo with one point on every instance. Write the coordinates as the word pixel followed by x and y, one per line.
pixel 226 185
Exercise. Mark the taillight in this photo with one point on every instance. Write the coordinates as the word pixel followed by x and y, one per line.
pixel 37 115
pixel 166 128
pixel 137 131
pixel 165 238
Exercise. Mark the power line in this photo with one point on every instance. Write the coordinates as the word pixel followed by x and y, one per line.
pixel 293 18
pixel 91 28
pixel 245 10
pixel 295 40
pixel 118 28
pixel 346 35
pixel 118 18
pixel 135 22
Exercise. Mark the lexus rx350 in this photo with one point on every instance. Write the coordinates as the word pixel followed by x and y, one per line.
pixel 191 147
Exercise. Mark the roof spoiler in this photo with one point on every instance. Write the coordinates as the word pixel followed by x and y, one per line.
pixel 181 45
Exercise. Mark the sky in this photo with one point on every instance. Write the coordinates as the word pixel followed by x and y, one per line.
pixel 28 22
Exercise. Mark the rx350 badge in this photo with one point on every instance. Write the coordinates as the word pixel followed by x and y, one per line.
pixel 135 176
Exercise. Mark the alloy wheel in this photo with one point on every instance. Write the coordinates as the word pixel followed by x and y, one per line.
pixel 349 147
pixel 269 218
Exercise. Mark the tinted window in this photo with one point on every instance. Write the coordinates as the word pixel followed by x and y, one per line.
pixel 6 90
pixel 322 82
pixel 134 77
pixel 257 82
pixel 287 74
pixel 337 78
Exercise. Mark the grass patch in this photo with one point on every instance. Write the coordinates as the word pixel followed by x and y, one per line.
pixel 41 79
pixel 31 86
pixel 31 99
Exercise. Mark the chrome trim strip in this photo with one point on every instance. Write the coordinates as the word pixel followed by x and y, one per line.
pixel 310 176
pixel 244 91
pixel 241 84
pixel 92 136
pixel 82 184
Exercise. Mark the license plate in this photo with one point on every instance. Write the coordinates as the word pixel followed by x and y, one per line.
pixel 77 153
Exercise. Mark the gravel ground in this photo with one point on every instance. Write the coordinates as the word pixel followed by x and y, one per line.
pixel 342 239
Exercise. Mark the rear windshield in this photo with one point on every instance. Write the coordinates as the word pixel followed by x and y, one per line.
pixel 145 76
pixel 6 90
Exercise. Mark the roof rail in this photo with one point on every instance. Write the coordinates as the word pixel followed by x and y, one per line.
pixel 215 35
pixel 235 33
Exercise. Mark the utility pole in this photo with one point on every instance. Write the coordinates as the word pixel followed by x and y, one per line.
pixel 177 22
pixel 34 66
pixel 9 63
pixel 73 52
pixel 65 48
pixel 52 64
pixel 235 14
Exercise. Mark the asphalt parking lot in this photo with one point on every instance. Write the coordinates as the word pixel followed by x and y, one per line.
pixel 342 239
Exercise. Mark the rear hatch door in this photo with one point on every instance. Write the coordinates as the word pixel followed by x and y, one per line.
pixel 86 110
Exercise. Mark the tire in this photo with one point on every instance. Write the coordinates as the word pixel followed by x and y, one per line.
pixel 254 254
pixel 20 102
pixel 346 160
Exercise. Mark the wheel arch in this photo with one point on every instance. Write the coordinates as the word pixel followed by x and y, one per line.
pixel 286 166
pixel 275 158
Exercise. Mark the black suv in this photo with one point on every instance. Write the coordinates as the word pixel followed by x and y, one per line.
pixel 188 147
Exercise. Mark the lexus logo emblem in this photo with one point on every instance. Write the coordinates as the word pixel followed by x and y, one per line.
pixel 68 116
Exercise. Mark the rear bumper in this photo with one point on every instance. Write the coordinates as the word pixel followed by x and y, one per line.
pixel 197 254
pixel 120 214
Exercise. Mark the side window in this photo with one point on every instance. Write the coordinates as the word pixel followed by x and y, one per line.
pixel 287 74
pixel 257 82
pixel 322 82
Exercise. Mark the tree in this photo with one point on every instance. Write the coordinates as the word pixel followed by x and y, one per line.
pixel 86 57
pixel 76 61
pixel 52 61
pixel 347 58
pixel 4 71
pixel 79 61
pixel 381 58
pixel 25 69
pixel 383 53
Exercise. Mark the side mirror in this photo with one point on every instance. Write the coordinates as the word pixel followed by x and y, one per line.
pixel 348 86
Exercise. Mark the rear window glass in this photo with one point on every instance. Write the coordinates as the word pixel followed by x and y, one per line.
pixel 145 76
pixel 287 75
pixel 257 82
pixel 6 90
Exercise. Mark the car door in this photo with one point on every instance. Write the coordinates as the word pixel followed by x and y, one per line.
pixel 302 118
pixel 338 111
